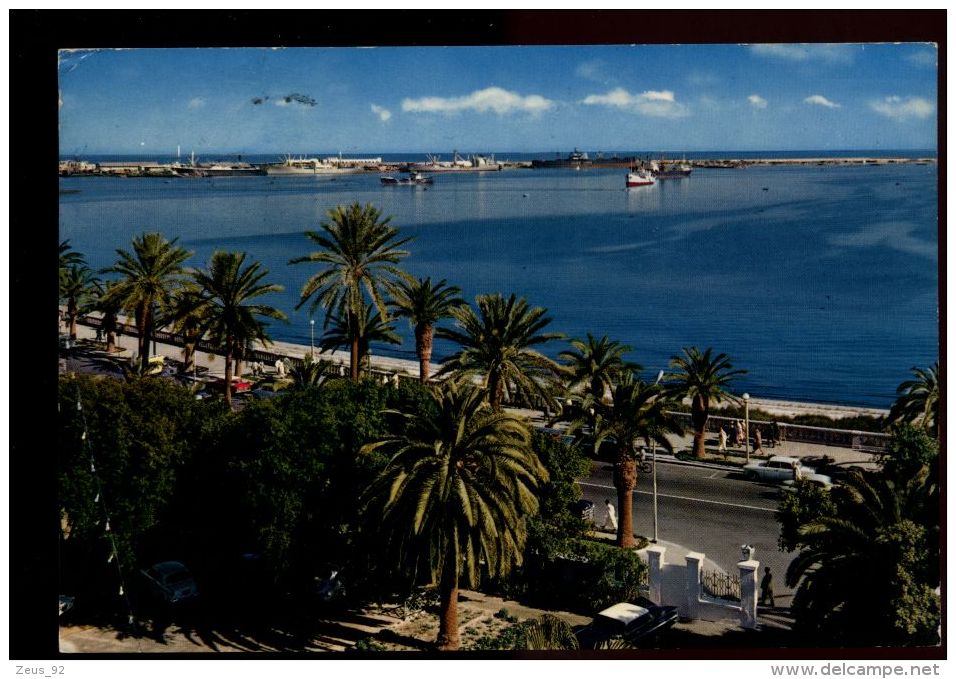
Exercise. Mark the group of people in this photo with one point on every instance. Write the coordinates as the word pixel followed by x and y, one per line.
pixel 739 437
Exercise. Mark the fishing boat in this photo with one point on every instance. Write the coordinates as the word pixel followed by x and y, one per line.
pixel 414 179
pixel 640 177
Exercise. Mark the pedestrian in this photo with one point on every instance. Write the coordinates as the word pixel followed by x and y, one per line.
pixel 99 334
pixel 758 439
pixel 738 434
pixel 722 445
pixel 766 587
pixel 610 515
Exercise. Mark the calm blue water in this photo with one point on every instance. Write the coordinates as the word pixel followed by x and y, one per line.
pixel 820 281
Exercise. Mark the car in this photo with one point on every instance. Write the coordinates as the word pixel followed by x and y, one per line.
pixel 638 623
pixel 328 583
pixel 171 582
pixel 778 468
pixel 821 480
pixel 66 603
pixel 584 509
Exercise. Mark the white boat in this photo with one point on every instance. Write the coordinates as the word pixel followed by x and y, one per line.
pixel 640 178
pixel 414 179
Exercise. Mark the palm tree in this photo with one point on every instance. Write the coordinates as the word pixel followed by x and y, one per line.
pixel 186 319
pixel 358 331
pixel 636 413
pixel 359 257
pixel 149 275
pixel 702 379
pixel 918 401
pixel 496 346
pixel 456 493
pixel 424 305
pixel 867 572
pixel 107 305
pixel 229 319
pixel 310 373
pixel 76 288
pixel 596 364
pixel 68 258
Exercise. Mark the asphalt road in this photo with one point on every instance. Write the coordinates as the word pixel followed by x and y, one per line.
pixel 705 510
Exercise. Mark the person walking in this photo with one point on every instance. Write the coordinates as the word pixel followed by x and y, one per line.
pixel 722 442
pixel 766 587
pixel 610 515
pixel 758 439
pixel 738 434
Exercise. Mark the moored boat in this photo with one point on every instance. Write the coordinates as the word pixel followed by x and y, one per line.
pixel 640 177
pixel 414 179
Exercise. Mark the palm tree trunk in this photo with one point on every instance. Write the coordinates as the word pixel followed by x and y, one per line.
pixel 72 313
pixel 189 357
pixel 110 341
pixel 229 375
pixel 424 334
pixel 698 414
pixel 448 639
pixel 354 355
pixel 625 479
pixel 144 338
pixel 496 390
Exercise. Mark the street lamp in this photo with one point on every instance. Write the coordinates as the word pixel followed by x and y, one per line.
pixel 746 398
pixel 311 338
pixel 660 376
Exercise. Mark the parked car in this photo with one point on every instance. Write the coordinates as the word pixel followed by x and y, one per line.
pixel 584 509
pixel 636 623
pixel 171 582
pixel 777 469
pixel 821 480
pixel 328 583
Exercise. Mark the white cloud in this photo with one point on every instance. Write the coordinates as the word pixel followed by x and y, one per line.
pixel 902 109
pixel 804 52
pixel 594 70
pixel 820 100
pixel 660 104
pixel 196 102
pixel 383 113
pixel 482 101
pixel 757 101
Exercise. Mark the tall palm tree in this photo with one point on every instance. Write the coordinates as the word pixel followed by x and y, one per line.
pixel 76 289
pixel 596 364
pixel 424 304
pixel 636 413
pixel 148 276
pixel 918 400
pixel 496 345
pixel 358 331
pixel 456 494
pixel 702 378
pixel 186 319
pixel 359 257
pixel 228 318
pixel 866 573
pixel 109 307
pixel 68 258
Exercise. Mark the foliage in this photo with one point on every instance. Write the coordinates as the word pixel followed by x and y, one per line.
pixel 360 251
pixel 497 345
pixel 363 328
pixel 76 289
pixel 228 315
pixel 805 504
pixel 910 449
pixel 865 574
pixel 454 496
pixel 703 379
pixel 148 277
pixel 918 400
pixel 424 304
pixel 547 633
pixel 597 364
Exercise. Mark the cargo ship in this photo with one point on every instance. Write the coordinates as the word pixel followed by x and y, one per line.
pixel 579 160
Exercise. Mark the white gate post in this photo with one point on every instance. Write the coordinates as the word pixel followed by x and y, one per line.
pixel 748 593
pixel 693 584
pixel 655 573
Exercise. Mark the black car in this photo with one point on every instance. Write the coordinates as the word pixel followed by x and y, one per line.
pixel 637 624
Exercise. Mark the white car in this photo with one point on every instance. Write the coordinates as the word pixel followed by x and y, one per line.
pixel 777 469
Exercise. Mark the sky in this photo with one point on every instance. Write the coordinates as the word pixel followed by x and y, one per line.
pixel 496 99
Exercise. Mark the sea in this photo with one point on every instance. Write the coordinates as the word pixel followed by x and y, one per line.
pixel 821 281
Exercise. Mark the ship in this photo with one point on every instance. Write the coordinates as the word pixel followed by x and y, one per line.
pixel 579 160
pixel 639 177
pixel 670 169
pixel 474 163
pixel 315 166
pixel 415 179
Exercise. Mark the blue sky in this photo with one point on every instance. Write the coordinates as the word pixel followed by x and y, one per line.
pixel 496 99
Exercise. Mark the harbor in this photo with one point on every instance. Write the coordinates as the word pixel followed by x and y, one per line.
pixel 290 166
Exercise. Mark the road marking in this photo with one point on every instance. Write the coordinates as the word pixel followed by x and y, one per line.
pixel 682 497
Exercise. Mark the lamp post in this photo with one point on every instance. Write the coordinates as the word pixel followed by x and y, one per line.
pixel 660 376
pixel 311 338
pixel 746 398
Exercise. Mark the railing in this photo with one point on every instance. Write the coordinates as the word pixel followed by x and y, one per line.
pixel 771 432
pixel 721 585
